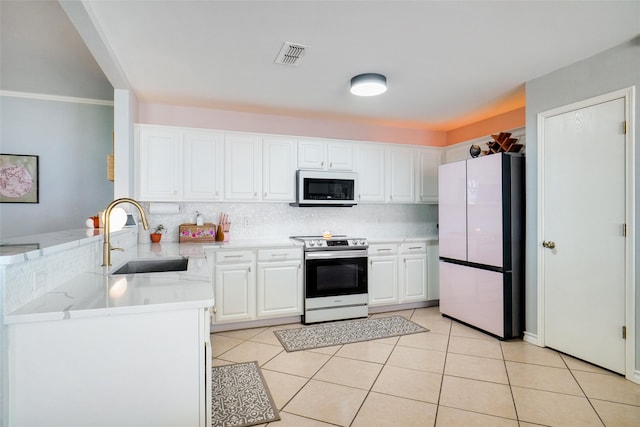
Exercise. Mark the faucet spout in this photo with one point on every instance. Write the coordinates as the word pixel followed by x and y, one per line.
pixel 106 246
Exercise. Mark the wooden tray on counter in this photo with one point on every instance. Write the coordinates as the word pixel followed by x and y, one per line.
pixel 197 233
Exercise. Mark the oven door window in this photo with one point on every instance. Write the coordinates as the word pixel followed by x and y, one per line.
pixel 331 277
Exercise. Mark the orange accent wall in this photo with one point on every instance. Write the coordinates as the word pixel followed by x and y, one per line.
pixel 509 120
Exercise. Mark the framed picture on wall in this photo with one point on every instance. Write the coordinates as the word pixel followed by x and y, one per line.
pixel 18 178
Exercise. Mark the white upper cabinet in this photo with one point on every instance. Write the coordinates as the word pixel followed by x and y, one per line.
pixel 371 172
pixel 159 165
pixel 243 166
pixel 400 175
pixel 325 155
pixel 279 162
pixel 177 165
pixel 427 162
pixel 203 166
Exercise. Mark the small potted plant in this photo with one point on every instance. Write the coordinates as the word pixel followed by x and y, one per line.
pixel 157 233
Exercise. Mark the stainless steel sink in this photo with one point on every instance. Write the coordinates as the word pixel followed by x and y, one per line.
pixel 160 265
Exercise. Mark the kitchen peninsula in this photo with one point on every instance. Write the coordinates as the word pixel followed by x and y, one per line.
pixel 81 347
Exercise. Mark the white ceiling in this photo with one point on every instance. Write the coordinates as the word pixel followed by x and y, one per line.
pixel 448 63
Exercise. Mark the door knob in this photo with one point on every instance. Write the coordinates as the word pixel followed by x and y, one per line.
pixel 548 245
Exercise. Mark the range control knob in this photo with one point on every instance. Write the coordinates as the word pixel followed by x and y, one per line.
pixel 312 242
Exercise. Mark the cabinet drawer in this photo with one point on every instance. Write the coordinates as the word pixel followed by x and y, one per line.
pixel 283 254
pixel 410 248
pixel 227 257
pixel 383 249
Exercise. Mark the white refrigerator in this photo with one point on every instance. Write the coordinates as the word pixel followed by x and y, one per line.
pixel 481 238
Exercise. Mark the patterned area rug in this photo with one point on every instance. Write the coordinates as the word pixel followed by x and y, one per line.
pixel 350 331
pixel 240 396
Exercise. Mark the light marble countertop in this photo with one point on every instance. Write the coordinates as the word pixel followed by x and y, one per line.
pixel 19 249
pixel 94 293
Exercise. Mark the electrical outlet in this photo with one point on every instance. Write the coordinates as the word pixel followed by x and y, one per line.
pixel 246 222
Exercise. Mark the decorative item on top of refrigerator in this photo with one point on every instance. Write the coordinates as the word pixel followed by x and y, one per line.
pixel 481 242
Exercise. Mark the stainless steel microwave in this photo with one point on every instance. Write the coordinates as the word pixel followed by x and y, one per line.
pixel 326 188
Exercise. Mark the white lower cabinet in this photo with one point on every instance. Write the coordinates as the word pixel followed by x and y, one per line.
pixel 135 369
pixel 397 273
pixel 279 283
pixel 244 292
pixel 235 286
pixel 382 275
pixel 413 272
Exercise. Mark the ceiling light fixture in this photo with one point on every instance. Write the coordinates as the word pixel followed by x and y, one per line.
pixel 369 84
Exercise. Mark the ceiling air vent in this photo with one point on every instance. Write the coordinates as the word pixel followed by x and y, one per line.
pixel 291 54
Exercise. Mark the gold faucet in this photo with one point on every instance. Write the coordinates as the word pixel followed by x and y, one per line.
pixel 106 246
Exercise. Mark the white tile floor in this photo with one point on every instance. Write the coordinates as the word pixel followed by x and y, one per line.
pixel 450 376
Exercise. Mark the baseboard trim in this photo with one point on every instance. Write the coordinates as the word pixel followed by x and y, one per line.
pixel 531 338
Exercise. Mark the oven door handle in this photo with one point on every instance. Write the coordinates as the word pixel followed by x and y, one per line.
pixel 335 254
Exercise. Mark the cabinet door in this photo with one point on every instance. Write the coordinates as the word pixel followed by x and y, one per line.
pixel 383 280
pixel 279 161
pixel 484 210
pixel 428 160
pixel 340 155
pixel 202 166
pixel 243 166
pixel 413 278
pixel 235 293
pixel 400 175
pixel 279 289
pixel 371 173
pixel 452 210
pixel 312 154
pixel 159 163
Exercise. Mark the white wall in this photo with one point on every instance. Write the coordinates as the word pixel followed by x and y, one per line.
pixel 72 139
pixel 614 69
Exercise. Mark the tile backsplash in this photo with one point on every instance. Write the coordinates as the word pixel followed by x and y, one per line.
pixel 278 220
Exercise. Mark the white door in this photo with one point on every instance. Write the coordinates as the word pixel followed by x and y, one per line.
pixel 371 172
pixel 383 280
pixel 340 156
pixel 159 163
pixel 279 160
pixel 279 289
pixel 400 177
pixel 203 166
pixel 243 163
pixel 427 162
pixel 582 216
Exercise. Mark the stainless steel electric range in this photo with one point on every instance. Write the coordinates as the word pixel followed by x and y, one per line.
pixel 335 278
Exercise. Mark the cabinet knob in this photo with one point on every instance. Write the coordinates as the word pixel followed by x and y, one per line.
pixel 265 194
pixel 322 163
pixel 331 164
